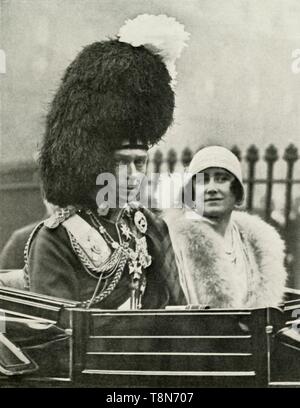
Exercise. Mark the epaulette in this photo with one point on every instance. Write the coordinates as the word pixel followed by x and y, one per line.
pixel 88 244
pixel 59 216
pixel 52 222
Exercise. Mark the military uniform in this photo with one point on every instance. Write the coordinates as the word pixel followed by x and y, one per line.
pixel 55 268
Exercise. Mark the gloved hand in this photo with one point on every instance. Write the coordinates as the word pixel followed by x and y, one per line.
pixel 12 278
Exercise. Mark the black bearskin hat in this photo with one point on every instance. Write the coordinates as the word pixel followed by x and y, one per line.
pixel 111 92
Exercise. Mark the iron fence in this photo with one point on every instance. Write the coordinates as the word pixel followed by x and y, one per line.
pixel 251 157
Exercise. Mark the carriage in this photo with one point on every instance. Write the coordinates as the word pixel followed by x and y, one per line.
pixel 47 341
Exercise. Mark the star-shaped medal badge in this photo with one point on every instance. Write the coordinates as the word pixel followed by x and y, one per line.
pixel 125 231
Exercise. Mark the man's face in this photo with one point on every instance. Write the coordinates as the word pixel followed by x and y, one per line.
pixel 130 169
pixel 219 201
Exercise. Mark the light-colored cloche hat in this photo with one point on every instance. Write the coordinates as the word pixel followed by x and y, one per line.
pixel 217 156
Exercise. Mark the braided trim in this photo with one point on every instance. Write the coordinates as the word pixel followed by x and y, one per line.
pixel 110 288
pixel 26 254
pixel 86 262
pixel 115 265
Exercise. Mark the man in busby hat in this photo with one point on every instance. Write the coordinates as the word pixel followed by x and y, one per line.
pixel 114 102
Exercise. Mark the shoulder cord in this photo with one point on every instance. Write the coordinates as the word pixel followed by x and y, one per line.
pixel 26 254
pixel 96 299
pixel 114 265
pixel 88 265
pixel 124 258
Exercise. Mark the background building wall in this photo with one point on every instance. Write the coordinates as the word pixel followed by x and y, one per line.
pixel 235 79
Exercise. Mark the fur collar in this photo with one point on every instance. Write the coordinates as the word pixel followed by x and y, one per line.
pixel 208 279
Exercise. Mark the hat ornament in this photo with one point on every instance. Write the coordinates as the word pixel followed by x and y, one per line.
pixel 160 34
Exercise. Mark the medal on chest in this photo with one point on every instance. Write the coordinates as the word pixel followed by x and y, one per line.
pixel 140 222
pixel 137 250
pixel 109 256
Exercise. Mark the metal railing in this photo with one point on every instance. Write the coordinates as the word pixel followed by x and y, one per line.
pixel 251 157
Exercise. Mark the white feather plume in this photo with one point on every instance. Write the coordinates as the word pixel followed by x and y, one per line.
pixel 160 34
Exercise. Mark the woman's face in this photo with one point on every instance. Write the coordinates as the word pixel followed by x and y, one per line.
pixel 218 199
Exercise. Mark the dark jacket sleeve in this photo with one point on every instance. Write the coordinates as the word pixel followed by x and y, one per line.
pixel 12 255
pixel 165 258
pixel 52 264
pixel 170 271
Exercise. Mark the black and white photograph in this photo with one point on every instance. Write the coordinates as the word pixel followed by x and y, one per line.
pixel 150 196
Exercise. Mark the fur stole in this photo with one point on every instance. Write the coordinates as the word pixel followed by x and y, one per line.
pixel 205 276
